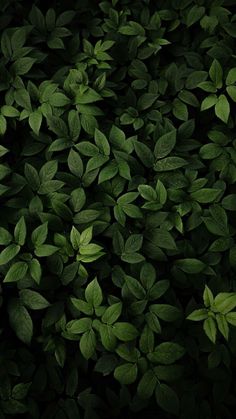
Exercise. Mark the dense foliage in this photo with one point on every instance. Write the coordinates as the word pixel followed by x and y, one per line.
pixel 117 216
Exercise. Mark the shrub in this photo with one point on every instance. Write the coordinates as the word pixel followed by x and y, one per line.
pixel 117 217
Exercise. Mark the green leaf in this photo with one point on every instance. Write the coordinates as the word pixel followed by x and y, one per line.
pixel 4 171
pixel 74 124
pixel 105 364
pixel 35 121
pixel 158 289
pixel 22 65
pixel 208 297
pixel 112 313
pixel 222 108
pixel 108 338
pixel 9 111
pixel 39 235
pixel 147 385
pixel 195 14
pixel 132 258
pixel 87 344
pixel 231 90
pixel 169 163
pixel 75 238
pixel 209 102
pixel 125 331
pixel 20 321
pixel 79 326
pixel 132 29
pixel 13 407
pixel 198 315
pixel 90 249
pixel 146 101
pixel 144 153
pixel 210 151
pixel 169 373
pixel 134 243
pixel 161 238
pixel 59 99
pixel 5 237
pixel 9 253
pixel 135 287
pixel 86 236
pixel 191 265
pixel 167 399
pixel 231 76
pixel 229 202
pixel 231 318
pixel 75 163
pixel 48 170
pixel 166 312
pixel 166 353
pixel 225 302
pixel 165 144
pixel 222 325
pixel 205 195
pixel 3 125
pixel 147 192
pixel 209 327
pixel 88 96
pixel 108 172
pixel 16 272
pixel 180 110
pixel 35 270
pixel 20 391
pixel 20 232
pixel 82 306
pixel 3 151
pixel 216 73
pixel 195 78
pixel 45 250
pixel 132 211
pixel 207 86
pixel 126 373
pixel 22 98
pixel 101 142
pixel 33 300
pixel 93 293
pixel 32 176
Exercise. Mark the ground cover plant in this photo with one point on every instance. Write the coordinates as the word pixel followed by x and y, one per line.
pixel 117 216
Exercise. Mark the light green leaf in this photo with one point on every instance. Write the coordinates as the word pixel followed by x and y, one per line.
pixel 35 121
pixel 33 300
pixel 16 272
pixel 93 293
pixel 5 237
pixel 20 232
pixel 222 108
pixel 216 73
pixel 39 235
pixel 9 253
pixel 112 313
pixel 169 163
pixel 87 344
pixel 101 142
pixel 208 102
pixel 231 90
pixel 198 315
pixel 209 327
